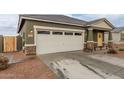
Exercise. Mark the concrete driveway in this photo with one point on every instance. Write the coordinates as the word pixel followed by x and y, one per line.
pixel 102 69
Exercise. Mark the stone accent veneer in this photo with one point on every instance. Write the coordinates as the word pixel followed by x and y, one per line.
pixel 30 50
pixel 90 45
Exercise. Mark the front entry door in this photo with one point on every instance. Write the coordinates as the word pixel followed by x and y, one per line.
pixel 100 39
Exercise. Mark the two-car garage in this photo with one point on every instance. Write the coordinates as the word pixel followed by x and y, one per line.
pixel 52 41
pixel 43 34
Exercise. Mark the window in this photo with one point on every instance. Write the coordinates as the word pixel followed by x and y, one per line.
pixel 68 33
pixel 78 34
pixel 57 33
pixel 43 32
pixel 122 36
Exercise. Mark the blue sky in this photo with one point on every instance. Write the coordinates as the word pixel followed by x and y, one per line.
pixel 8 22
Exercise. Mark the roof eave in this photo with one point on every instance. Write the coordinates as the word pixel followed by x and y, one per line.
pixel 28 18
pixel 102 19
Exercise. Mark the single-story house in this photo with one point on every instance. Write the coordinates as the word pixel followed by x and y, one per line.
pixel 44 34
pixel 118 35
pixel 51 33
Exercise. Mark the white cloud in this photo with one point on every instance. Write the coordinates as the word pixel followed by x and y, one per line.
pixel 8 24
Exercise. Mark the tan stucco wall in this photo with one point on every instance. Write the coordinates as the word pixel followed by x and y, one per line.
pixel 23 31
pixel 116 37
pixel 122 31
pixel 121 42
pixel 102 24
pixel 106 37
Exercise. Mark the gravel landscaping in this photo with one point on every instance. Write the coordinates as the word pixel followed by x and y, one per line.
pixel 120 54
pixel 30 68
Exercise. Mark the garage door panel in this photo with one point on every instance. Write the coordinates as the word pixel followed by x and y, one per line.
pixel 58 43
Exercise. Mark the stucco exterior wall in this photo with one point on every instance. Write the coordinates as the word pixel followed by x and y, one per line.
pixel 121 41
pixel 122 31
pixel 102 25
pixel 116 37
pixel 106 37
pixel 22 33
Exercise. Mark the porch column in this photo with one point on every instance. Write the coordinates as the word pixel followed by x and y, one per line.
pixel 90 35
pixel 110 42
pixel 90 42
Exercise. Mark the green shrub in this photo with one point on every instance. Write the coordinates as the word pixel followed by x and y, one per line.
pixel 121 49
pixel 3 62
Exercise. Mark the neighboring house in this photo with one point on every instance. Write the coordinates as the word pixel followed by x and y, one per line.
pixel 44 34
pixel 118 35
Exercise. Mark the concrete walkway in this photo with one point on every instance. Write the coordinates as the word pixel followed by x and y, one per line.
pixel 109 59
pixel 100 68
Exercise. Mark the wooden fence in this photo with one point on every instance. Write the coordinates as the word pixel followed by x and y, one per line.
pixel 10 43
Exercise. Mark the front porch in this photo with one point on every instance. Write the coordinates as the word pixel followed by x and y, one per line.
pixel 95 39
pixel 95 35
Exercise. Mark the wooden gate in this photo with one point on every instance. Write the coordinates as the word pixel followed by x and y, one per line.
pixel 10 44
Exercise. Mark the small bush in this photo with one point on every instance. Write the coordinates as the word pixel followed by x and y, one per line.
pixel 121 49
pixel 112 51
pixel 3 62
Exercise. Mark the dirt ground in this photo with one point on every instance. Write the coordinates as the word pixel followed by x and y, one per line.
pixel 30 68
pixel 120 53
pixel 119 46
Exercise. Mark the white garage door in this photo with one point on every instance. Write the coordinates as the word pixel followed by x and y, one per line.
pixel 52 42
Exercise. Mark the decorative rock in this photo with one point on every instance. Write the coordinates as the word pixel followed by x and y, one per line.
pixel 3 62
pixel 30 50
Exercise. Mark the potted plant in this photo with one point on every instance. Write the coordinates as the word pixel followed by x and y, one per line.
pixel 3 62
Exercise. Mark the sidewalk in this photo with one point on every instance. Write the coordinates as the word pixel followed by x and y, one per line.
pixel 109 59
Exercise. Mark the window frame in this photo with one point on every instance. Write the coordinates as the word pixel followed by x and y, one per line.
pixel 68 33
pixel 57 33
pixel 77 33
pixel 43 32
